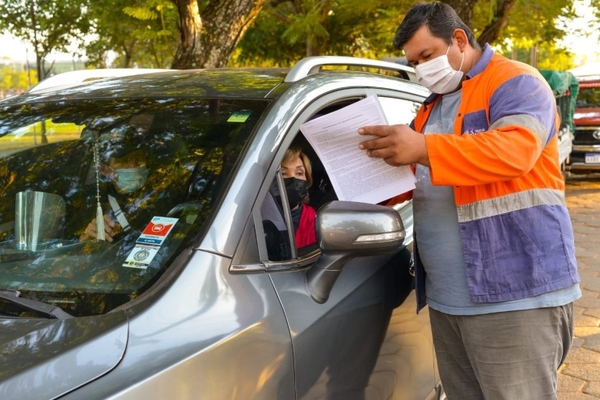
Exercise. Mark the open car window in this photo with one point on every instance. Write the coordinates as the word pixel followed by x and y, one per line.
pixel 61 165
pixel 283 213
pixel 276 228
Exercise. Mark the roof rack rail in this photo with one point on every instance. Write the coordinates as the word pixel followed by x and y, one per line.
pixel 312 65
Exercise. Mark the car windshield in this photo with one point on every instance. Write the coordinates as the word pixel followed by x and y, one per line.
pixel 152 168
pixel 589 95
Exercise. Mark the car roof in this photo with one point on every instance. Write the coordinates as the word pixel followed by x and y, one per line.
pixel 216 83
pixel 235 83
pixel 74 78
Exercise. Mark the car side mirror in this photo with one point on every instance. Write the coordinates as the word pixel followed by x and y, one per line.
pixel 346 230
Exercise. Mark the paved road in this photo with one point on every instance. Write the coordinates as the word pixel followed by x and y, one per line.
pixel 579 376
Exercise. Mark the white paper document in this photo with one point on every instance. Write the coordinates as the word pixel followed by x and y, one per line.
pixel 354 175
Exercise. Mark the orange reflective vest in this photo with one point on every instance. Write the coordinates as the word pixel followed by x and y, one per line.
pixel 502 161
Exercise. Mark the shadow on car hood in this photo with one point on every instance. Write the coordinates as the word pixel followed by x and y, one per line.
pixel 45 358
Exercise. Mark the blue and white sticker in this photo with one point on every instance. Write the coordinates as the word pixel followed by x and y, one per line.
pixel 141 256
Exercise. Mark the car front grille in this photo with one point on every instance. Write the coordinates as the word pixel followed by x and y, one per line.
pixel 587 135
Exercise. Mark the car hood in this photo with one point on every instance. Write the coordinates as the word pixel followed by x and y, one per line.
pixel 587 116
pixel 49 357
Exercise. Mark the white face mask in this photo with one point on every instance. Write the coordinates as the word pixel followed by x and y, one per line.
pixel 438 75
pixel 131 179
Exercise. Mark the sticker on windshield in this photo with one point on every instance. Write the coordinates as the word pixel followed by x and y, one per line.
pixel 239 116
pixel 140 256
pixel 156 231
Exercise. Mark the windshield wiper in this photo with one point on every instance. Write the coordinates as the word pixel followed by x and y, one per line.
pixel 48 309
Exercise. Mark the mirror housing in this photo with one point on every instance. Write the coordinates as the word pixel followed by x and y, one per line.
pixel 347 230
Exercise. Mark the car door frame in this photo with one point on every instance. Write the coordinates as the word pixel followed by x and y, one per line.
pixel 303 313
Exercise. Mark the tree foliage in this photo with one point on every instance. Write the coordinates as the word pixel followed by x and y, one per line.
pixel 288 30
pixel 47 25
pixel 128 33
pixel 168 33
pixel 10 79
pixel 206 33
pixel 528 21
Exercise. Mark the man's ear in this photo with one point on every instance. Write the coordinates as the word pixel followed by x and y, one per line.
pixel 461 38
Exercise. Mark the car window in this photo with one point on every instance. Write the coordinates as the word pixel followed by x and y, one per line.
pixel 589 95
pixel 153 169
pixel 399 111
pixel 282 200
pixel 275 226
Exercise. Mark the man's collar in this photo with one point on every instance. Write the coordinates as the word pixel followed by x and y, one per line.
pixel 482 63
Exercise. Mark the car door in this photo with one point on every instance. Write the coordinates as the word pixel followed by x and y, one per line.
pixel 361 343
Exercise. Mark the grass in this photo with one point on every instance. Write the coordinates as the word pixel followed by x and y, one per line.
pixel 32 135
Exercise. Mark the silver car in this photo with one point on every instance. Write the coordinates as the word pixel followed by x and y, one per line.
pixel 199 291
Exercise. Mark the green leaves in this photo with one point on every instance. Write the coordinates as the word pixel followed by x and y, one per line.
pixel 141 13
pixel 147 33
pixel 286 31
pixel 142 33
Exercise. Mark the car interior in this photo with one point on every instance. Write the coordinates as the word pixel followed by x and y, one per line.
pixel 320 193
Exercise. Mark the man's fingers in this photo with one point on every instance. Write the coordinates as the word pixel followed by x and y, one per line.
pixel 380 153
pixel 90 230
pixel 374 130
pixel 108 221
pixel 381 132
pixel 368 145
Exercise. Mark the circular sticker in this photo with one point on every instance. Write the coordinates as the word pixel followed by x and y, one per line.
pixel 141 255
pixel 158 228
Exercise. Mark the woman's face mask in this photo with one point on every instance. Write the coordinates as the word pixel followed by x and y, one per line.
pixel 438 75
pixel 296 190
pixel 131 179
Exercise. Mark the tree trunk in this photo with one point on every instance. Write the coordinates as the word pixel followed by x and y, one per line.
pixel 190 27
pixel 464 9
pixel 208 39
pixel 315 45
pixel 310 49
pixel 501 15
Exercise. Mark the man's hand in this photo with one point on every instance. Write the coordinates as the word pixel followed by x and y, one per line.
pixel 110 230
pixel 396 144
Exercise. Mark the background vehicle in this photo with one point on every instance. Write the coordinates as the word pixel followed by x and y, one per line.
pixel 217 302
pixel 585 157
pixel 565 88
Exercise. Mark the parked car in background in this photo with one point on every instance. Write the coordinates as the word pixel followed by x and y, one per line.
pixel 206 295
pixel 565 88
pixel 585 157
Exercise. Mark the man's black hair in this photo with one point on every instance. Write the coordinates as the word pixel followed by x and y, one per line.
pixel 440 18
